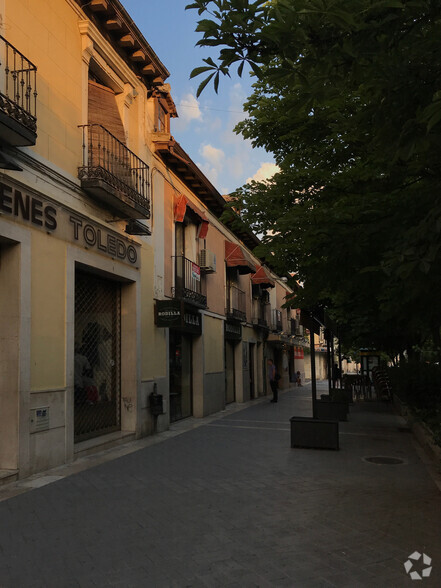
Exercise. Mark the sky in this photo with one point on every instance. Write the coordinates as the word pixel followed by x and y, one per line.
pixel 205 125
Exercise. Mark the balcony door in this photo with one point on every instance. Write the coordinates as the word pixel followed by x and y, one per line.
pixel 103 109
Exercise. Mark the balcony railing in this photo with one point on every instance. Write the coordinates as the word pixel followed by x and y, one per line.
pixel 188 282
pixel 276 321
pixel 18 96
pixel 236 307
pixel 114 174
pixel 262 315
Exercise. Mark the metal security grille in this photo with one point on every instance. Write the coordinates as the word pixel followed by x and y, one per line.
pixel 97 356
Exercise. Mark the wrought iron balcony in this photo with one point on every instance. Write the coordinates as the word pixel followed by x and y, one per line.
pixel 262 315
pixel 276 321
pixel 18 97
pixel 236 307
pixel 188 282
pixel 113 174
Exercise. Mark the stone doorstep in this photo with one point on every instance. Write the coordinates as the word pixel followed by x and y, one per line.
pixel 7 476
pixel 97 444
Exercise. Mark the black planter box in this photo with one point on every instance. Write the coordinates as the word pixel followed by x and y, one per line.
pixel 313 433
pixel 331 410
pixel 342 395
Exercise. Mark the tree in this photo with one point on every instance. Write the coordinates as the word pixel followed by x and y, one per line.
pixel 347 97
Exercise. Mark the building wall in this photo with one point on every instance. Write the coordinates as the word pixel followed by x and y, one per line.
pixel 215 242
pixel 46 32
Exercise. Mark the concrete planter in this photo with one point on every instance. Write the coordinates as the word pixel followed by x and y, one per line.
pixel 331 410
pixel 342 395
pixel 313 433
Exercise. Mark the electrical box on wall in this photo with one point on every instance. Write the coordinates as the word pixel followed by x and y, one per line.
pixel 39 420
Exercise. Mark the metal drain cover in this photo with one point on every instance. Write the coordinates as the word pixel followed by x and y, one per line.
pixel 383 460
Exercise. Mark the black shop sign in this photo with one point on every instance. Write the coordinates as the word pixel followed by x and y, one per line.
pixel 175 314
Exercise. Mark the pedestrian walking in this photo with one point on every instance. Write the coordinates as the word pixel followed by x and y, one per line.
pixel 299 378
pixel 272 380
pixel 336 374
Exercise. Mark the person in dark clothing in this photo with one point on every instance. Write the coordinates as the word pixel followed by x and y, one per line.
pixel 273 380
pixel 336 374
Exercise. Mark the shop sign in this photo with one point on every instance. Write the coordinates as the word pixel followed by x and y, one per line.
pixel 232 331
pixel 192 322
pixel 195 272
pixel 174 314
pixel 168 313
pixel 26 208
pixel 299 353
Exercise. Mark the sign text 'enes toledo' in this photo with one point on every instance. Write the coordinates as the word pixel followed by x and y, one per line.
pixel 45 214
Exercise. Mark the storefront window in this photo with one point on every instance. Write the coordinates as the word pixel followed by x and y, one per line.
pixel 97 356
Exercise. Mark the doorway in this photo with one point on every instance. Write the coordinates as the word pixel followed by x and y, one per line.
pixel 230 388
pixel 97 361
pixel 181 393
pixel 252 360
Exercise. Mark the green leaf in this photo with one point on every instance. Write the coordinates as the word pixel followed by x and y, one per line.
pixel 203 84
pixel 198 70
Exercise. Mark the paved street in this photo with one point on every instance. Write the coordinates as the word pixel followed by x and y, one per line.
pixel 227 502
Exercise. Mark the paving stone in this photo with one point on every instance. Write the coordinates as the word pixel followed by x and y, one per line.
pixel 230 506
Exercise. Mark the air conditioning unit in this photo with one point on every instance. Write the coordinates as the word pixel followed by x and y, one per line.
pixel 207 261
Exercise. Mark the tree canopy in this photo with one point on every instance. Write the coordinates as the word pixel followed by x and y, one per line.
pixel 347 96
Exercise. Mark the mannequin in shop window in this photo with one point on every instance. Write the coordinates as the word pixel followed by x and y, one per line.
pixel 82 376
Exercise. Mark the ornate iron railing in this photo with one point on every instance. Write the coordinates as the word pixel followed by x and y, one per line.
pixel 188 282
pixel 18 91
pixel 236 306
pixel 262 314
pixel 106 158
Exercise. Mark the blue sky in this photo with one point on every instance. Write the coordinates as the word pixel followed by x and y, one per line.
pixel 205 126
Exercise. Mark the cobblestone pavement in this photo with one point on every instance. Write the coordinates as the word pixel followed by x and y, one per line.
pixel 228 503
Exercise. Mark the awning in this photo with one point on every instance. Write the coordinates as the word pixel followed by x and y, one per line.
pixel 236 256
pixel 263 278
pixel 181 204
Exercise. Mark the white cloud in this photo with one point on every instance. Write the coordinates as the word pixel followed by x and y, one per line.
pixel 188 110
pixel 213 155
pixel 265 172
pixel 213 163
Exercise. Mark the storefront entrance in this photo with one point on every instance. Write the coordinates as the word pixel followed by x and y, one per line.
pixel 181 397
pixel 97 356
pixel 230 389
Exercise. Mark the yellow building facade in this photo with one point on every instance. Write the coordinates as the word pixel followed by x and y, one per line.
pixel 125 303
